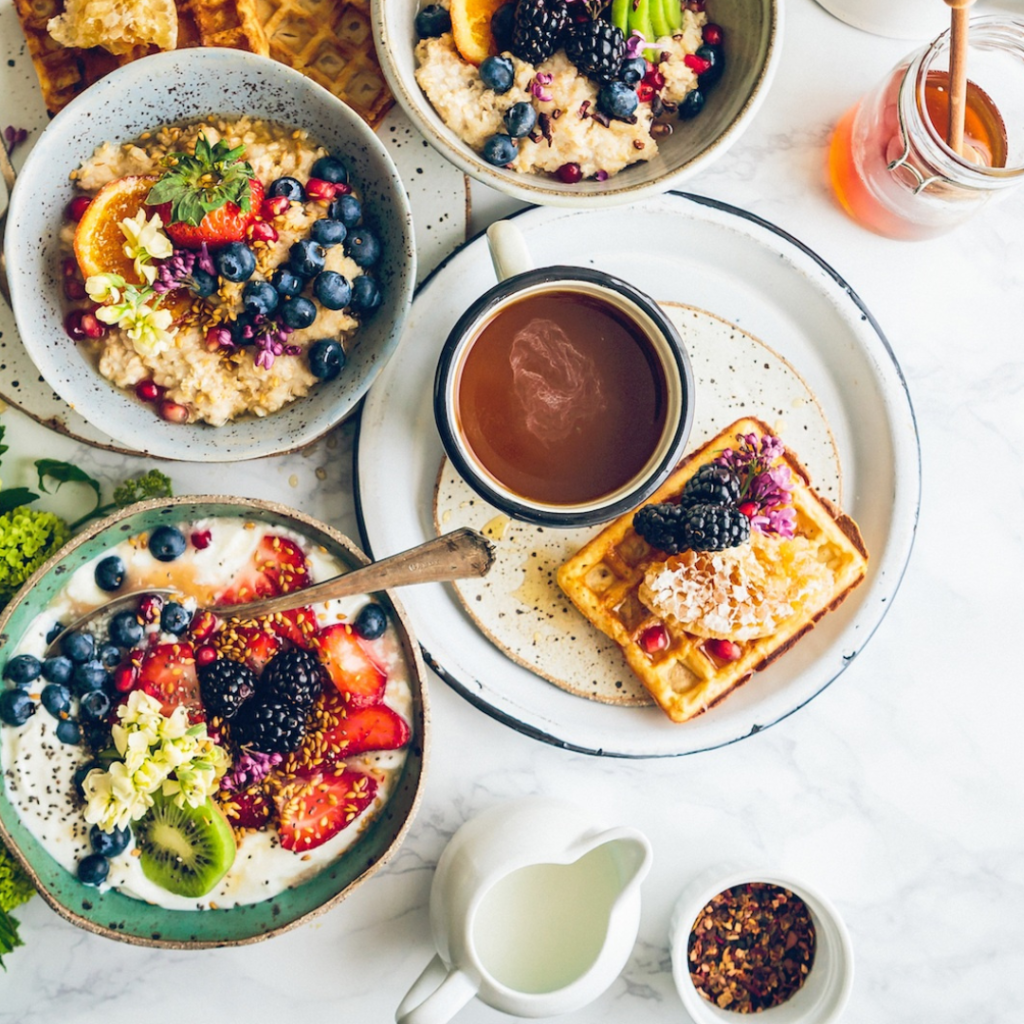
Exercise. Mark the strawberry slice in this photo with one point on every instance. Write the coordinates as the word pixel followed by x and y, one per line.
pixel 359 678
pixel 278 566
pixel 376 727
pixel 314 806
pixel 168 673
pixel 252 644
pixel 249 808
pixel 298 625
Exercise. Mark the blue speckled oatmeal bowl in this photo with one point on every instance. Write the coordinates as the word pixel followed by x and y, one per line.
pixel 176 87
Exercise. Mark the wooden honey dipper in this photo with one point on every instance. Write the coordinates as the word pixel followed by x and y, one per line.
pixel 959 26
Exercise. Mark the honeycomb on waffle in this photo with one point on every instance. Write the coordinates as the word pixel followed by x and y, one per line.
pixel 604 580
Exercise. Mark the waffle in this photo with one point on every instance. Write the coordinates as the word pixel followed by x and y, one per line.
pixel 604 578
pixel 329 41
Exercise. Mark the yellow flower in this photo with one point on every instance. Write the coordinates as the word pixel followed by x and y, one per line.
pixel 145 242
pixel 104 287
pixel 146 327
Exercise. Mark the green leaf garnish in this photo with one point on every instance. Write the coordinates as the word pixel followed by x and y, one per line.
pixel 9 938
pixel 64 473
pixel 15 497
pixel 204 181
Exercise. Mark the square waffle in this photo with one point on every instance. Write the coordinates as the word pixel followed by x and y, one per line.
pixel 603 580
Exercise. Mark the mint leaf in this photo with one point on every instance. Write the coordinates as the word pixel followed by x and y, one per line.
pixel 9 938
pixel 15 497
pixel 64 473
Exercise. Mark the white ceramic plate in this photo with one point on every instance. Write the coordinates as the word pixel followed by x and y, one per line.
pixel 748 272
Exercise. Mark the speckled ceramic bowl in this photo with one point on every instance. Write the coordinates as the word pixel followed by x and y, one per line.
pixel 752 32
pixel 181 86
pixel 121 917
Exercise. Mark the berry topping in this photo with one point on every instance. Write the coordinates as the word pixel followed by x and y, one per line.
pixel 697 64
pixel 332 289
pixel 109 844
pixel 287 188
pixel 287 282
pixel 520 120
pixel 432 21
pixel 347 209
pixel 364 247
pixel 569 173
pixel 125 677
pixel 149 607
pixel 327 232
pixel 109 655
pixel 110 573
pixel 713 34
pixel 205 655
pixel 297 313
pixel 698 527
pixel 499 150
pixel 262 232
pixel 691 105
pixel 125 629
pixel 78 647
pixel 713 484
pixel 277 567
pixel 376 727
pixel 173 412
pixel 654 639
pixel 90 675
pixel 225 685
pixel 148 391
pixel 94 706
pixel 273 206
pixel 168 674
pixel 235 262
pixel 67 731
pixel 596 48
pixel 56 699
pixel 326 358
pixel 295 675
pixel 633 70
pixel 16 707
pixel 93 868
pixel 270 725
pixel 166 543
pixel 497 73
pixel 371 622
pixel 366 295
pixel 174 618
pixel 200 539
pixel 75 210
pixel 723 650
pixel 617 100
pixel 350 666
pixel 330 169
pixel 57 670
pixel 714 57
pixel 259 298
pixel 306 258
pixel 538 28
pixel 313 808
pixel 503 25
pixel 23 669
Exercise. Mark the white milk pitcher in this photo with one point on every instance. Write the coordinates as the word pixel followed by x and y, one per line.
pixel 534 909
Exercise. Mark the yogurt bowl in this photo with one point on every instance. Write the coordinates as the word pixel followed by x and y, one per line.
pixel 276 879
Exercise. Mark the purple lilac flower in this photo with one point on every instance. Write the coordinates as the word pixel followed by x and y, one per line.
pixel 176 271
pixel 601 176
pixel 271 339
pixel 206 261
pixel 768 488
pixel 219 337
pixel 635 44
pixel 14 137
pixel 252 767
pixel 541 79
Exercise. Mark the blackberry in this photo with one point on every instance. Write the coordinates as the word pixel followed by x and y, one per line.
pixel 712 485
pixel 270 725
pixel 597 48
pixel 294 675
pixel 661 527
pixel 225 685
pixel 697 527
pixel 539 25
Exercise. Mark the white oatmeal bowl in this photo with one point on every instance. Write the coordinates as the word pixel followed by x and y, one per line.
pixel 442 95
pixel 282 405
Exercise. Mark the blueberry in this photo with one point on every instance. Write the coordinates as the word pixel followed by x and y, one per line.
pixel 287 282
pixel 363 247
pixel 432 21
pixel 125 629
pixel 370 622
pixel 633 70
pixel 306 258
pixel 259 298
pixel 243 329
pixel 297 313
pixel 328 232
pixel 332 290
pixel 716 56
pixel 23 669
pixel 94 705
pixel 347 209
pixel 110 573
pixel 497 73
pixel 330 168
pixel 78 646
pixel 326 359
pixel 520 120
pixel 109 844
pixel 203 284
pixel 235 262
pixel 92 675
pixel 57 670
pixel 68 732
pixel 55 631
pixel 16 707
pixel 365 295
pixel 618 100
pixel 93 869
pixel 81 772
pixel 287 187
pixel 56 699
pixel 499 150
pixel 503 24
pixel 166 543
pixel 109 655
pixel 691 105
pixel 97 736
pixel 174 618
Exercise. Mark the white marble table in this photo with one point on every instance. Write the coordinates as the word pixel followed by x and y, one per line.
pixel 898 791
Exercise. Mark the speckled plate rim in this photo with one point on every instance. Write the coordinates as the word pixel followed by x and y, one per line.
pixel 749 224
pixel 411 649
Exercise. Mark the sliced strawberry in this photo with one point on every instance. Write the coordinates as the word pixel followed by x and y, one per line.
pixel 252 644
pixel 315 806
pixel 219 227
pixel 298 625
pixel 350 666
pixel 278 566
pixel 376 727
pixel 249 808
pixel 168 673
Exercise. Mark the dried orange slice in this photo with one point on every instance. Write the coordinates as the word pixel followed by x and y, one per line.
pixel 471 27
pixel 99 241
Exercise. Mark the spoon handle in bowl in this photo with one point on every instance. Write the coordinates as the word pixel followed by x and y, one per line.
pixel 455 556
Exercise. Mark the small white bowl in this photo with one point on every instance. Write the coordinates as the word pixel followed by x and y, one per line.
pixel 184 85
pixel 752 32
pixel 825 993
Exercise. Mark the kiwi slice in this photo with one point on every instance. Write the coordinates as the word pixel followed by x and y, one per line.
pixel 185 850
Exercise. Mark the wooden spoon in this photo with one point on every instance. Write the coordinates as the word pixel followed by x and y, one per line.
pixel 959 27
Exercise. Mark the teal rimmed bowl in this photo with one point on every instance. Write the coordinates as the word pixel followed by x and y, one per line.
pixel 130 920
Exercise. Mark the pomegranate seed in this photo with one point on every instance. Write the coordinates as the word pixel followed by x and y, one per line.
pixel 696 6
pixel 75 210
pixel 747 508
pixel 74 289
pixel 94 328
pixel 698 65
pixel 261 231
pixel 654 639
pixel 569 173
pixel 148 390
pixel 149 608
pixel 173 412
pixel 203 625
pixel 644 93
pixel 73 325
pixel 655 79
pixel 69 266
pixel 274 207
pixel 317 188
pixel 723 650
pixel 200 539
pixel 124 678
pixel 206 654
pixel 713 34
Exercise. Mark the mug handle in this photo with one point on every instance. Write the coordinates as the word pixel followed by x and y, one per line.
pixel 508 250
pixel 451 990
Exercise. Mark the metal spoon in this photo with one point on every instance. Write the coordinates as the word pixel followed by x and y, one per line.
pixel 459 555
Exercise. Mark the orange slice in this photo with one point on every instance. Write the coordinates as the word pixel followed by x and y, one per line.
pixel 99 241
pixel 471 27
